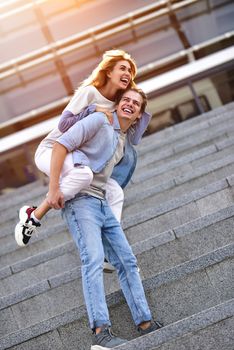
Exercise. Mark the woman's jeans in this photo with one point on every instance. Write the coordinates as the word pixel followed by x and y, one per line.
pixel 98 234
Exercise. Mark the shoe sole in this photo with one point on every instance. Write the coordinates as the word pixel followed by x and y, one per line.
pixel 23 217
pixel 18 236
pixel 98 347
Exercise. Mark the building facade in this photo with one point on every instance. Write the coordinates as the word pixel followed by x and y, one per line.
pixel 183 48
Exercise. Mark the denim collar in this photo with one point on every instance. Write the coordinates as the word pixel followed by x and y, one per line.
pixel 137 130
pixel 116 125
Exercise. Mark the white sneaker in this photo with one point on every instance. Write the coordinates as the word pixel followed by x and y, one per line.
pixel 26 226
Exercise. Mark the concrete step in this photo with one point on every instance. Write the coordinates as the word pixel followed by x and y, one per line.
pixel 223 130
pixel 31 190
pixel 159 155
pixel 173 187
pixel 199 130
pixel 176 187
pixel 182 291
pixel 7 226
pixel 9 207
pixel 177 193
pixel 210 329
pixel 216 115
pixel 47 239
pixel 183 209
pixel 188 181
pixel 204 161
pixel 154 168
pixel 167 189
pixel 184 170
pixel 179 210
pixel 211 150
pixel 166 249
pixel 184 248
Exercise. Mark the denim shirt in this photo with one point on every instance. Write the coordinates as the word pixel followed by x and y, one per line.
pixel 123 171
pixel 93 142
pixel 134 133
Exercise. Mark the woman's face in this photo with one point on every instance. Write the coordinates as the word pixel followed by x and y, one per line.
pixel 121 75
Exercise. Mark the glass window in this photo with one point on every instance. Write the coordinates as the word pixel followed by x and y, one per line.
pixel 224 84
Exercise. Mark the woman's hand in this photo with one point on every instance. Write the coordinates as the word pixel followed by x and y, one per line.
pixel 106 112
pixel 55 199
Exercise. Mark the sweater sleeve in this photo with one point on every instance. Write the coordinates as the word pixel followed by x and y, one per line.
pixel 68 118
pixel 82 98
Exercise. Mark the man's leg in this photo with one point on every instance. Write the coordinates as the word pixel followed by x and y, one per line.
pixel 85 219
pixel 119 253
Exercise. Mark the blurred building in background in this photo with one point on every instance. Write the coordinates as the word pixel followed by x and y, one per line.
pixel 183 48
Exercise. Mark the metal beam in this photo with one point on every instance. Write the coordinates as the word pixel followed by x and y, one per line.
pixel 178 76
pixel 175 23
pixel 57 60
pixel 63 47
pixel 150 69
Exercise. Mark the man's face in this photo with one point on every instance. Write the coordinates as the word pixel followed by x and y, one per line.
pixel 129 106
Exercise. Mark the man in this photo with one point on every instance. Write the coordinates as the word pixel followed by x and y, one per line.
pixel 94 228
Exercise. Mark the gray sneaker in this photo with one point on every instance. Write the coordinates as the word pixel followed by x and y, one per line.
pixel 106 340
pixel 153 327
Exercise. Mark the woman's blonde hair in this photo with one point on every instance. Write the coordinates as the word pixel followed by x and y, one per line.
pixel 98 77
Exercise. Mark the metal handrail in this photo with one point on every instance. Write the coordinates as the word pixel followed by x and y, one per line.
pixel 74 42
pixel 153 66
pixel 178 77
pixel 20 8
pixel 142 71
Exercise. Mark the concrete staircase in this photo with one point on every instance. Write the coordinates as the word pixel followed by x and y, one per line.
pixel 178 217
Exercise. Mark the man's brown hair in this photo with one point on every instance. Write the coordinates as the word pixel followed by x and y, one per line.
pixel 120 94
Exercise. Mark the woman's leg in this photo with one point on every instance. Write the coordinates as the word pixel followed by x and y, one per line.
pixel 72 180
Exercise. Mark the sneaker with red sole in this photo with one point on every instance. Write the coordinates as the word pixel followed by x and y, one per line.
pixel 26 226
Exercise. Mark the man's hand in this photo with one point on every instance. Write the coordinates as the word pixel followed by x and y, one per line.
pixel 106 112
pixel 55 199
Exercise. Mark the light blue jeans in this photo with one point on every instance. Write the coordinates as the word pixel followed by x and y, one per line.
pixel 98 234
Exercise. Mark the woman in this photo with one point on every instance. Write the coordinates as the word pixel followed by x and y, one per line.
pixel 114 73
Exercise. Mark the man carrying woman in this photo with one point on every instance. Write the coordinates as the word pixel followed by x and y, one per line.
pixel 116 72
pixel 94 228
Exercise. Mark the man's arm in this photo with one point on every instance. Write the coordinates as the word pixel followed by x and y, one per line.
pixel 82 131
pixel 68 142
pixel 55 197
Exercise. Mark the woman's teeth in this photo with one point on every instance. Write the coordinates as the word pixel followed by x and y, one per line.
pixel 124 80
